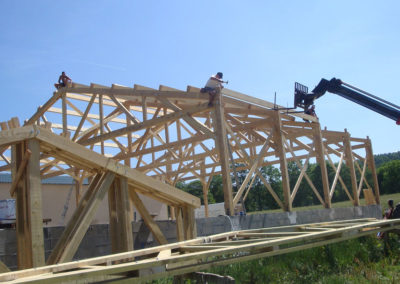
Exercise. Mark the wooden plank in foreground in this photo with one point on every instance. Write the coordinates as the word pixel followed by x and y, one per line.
pixel 200 253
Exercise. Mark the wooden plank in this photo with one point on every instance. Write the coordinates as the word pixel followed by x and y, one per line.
pixel 339 177
pixel 180 236
pixel 64 114
pixel 151 224
pixel 24 241
pixel 332 190
pixel 350 164
pixel 34 185
pixel 42 109
pixel 371 166
pixel 11 136
pixel 262 103
pixel 148 123
pixel 190 120
pixel 250 173
pixel 222 149
pixel 80 221
pixel 362 177
pixel 320 157
pixel 3 268
pixel 369 196
pixel 3 125
pixel 83 119
pixel 20 172
pixel 84 269
pixel 120 217
pixel 189 223
pixel 279 140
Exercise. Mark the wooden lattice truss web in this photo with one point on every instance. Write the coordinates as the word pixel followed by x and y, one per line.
pixel 175 135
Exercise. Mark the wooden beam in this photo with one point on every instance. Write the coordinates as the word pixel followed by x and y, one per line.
pixel 279 140
pixel 76 228
pixel 20 172
pixel 83 119
pixel 190 120
pixel 42 109
pixel 250 173
pixel 148 220
pixel 371 166
pixel 222 148
pixel 350 164
pixel 120 216
pixel 145 124
pixel 24 242
pixel 29 221
pixel 35 195
pixel 3 267
pixel 189 223
pixel 320 157
pixel 340 178
pixel 180 235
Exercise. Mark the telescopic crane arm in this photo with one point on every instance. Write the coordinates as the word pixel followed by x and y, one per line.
pixel 304 99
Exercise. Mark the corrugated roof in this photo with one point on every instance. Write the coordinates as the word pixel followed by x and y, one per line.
pixel 6 178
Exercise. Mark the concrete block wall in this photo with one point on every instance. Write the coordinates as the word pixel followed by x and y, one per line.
pixel 97 242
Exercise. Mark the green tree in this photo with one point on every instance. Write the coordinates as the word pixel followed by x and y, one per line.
pixel 388 177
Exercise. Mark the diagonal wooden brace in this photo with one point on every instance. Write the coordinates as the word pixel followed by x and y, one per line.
pixel 20 172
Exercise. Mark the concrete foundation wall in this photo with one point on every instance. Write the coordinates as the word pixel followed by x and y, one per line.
pixel 97 243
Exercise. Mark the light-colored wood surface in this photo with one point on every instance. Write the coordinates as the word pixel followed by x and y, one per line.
pixel 153 138
pixel 200 254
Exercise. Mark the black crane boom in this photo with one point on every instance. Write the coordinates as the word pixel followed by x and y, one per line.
pixel 336 86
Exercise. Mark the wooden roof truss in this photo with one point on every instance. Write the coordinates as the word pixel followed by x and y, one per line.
pixel 174 135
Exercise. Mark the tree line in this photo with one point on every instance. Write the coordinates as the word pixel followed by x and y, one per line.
pixel 259 198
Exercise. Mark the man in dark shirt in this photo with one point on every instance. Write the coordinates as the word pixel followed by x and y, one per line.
pixel 63 80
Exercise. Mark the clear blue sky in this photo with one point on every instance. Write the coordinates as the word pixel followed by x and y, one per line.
pixel 261 46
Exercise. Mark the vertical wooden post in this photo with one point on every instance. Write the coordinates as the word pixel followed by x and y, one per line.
pixel 179 224
pixel 281 154
pixel 320 157
pixel 101 122
pixel 222 149
pixel 348 153
pixel 205 189
pixel 29 219
pixel 120 216
pixel 189 223
pixel 78 188
pixel 371 165
pixel 167 140
pixel 64 113
pixel 24 244
pixel 35 191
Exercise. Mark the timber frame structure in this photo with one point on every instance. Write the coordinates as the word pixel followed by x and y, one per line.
pixel 131 141
pixel 201 253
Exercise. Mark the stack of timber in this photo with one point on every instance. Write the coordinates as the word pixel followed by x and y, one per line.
pixel 201 253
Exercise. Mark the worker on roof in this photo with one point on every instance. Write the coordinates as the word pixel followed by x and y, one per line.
pixel 63 80
pixel 311 111
pixel 213 85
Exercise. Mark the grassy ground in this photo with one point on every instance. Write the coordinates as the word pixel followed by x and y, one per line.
pixel 363 260
pixel 384 199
